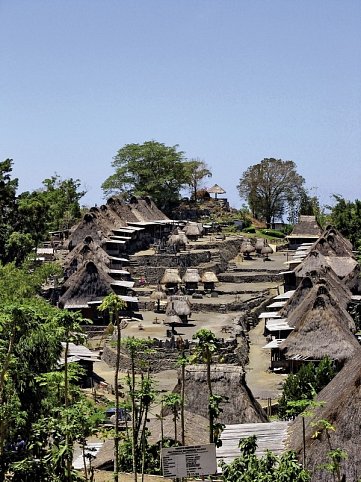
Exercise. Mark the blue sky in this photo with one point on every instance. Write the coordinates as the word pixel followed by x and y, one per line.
pixel 230 81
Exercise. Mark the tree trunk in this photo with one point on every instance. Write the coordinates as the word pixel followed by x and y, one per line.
pixel 116 389
pixel 182 403
pixel 211 421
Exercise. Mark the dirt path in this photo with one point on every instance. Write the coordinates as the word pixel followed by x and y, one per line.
pixel 263 383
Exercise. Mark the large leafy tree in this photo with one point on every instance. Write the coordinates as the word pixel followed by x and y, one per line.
pixel 346 217
pixel 270 187
pixel 196 172
pixel 151 168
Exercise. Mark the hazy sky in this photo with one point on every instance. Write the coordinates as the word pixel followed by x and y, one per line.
pixel 230 81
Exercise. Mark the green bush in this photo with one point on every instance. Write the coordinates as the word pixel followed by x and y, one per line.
pixel 272 232
pixel 250 230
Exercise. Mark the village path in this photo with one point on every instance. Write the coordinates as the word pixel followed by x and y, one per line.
pixel 261 381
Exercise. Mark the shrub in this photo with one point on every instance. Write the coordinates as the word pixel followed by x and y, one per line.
pixel 250 230
pixel 272 232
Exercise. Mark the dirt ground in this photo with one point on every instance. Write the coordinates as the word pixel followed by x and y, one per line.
pixel 104 476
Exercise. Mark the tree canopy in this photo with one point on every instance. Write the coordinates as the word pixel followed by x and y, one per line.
pixel 152 169
pixel 270 187
pixel 27 218
pixel 196 172
pixel 346 217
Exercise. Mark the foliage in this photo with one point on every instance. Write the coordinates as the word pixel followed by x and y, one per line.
pixel 272 232
pixel 249 468
pixel 148 169
pixel 346 217
pixel 270 187
pixel 26 219
pixel 303 386
pixel 249 230
pixel 195 172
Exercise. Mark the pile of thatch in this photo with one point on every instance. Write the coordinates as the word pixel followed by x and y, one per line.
pixel 321 330
pixel 341 400
pixel 89 283
pixel 228 381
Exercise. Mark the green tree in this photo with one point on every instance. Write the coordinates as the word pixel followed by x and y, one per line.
pixel 346 217
pixel 173 401
pixel 8 188
pixel 206 348
pixel 249 467
pixel 270 187
pixel 196 171
pixel 151 168
pixel 299 389
pixel 114 305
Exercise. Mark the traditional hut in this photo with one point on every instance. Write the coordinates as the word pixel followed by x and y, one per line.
pixel 88 284
pixel 180 306
pixel 307 230
pixel 216 190
pixel 228 381
pixel 209 279
pixel 321 331
pixel 192 231
pixel 171 279
pixel 93 225
pixel 260 243
pixel 191 279
pixel 159 296
pixel 86 251
pixel 266 251
pixel 340 405
pixel 177 241
pixel 332 243
pixel 247 248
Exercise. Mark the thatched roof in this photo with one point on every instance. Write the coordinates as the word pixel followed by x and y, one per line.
pixel 171 275
pixel 209 277
pixel 88 250
pixel 94 225
pixel 332 243
pixel 172 319
pixel 158 294
pixel 192 229
pixel 247 247
pixel 191 276
pixel 321 331
pixel 122 209
pixel 315 261
pixel 228 381
pixel 180 305
pixel 306 226
pixel 144 209
pixel 341 400
pixel 320 288
pixel 339 292
pixel 89 283
pixel 177 240
pixel 216 189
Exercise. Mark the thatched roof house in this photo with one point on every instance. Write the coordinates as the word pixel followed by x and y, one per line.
pixel 307 230
pixel 332 243
pixel 228 381
pixel 144 209
pixel 86 251
pixel 216 189
pixel 191 279
pixel 209 277
pixel 192 231
pixel 322 331
pixel 180 306
pixel 89 283
pixel 341 400
pixel 94 225
pixel 122 209
pixel 171 278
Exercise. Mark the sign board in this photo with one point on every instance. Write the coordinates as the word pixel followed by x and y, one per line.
pixel 189 461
